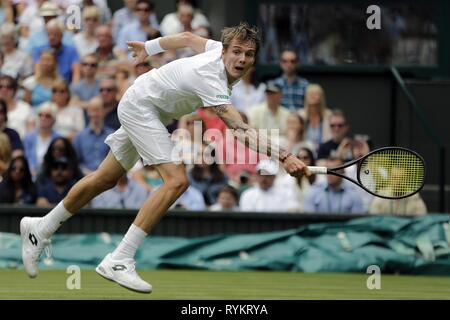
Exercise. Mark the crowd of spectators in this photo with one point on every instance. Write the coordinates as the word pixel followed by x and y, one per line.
pixel 59 92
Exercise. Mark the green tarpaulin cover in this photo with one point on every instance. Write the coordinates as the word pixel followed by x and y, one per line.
pixel 397 245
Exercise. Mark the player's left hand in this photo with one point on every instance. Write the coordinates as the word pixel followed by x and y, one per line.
pixel 295 167
pixel 138 50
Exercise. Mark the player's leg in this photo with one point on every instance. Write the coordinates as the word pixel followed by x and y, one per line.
pixel 175 183
pixel 36 232
pixel 104 178
pixel 119 265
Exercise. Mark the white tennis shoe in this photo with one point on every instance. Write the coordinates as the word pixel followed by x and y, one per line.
pixel 124 273
pixel 32 245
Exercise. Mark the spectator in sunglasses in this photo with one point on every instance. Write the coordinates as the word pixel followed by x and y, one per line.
pixel 340 144
pixel 37 141
pixel 69 119
pixel 17 186
pixel 139 30
pixel 108 94
pixel 62 178
pixel 88 86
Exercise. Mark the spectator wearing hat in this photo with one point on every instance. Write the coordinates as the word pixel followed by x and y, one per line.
pixel 85 41
pixel 66 55
pixel 293 86
pixel 13 136
pixel 36 22
pixel 335 195
pixel 89 143
pixel 270 114
pixel 266 196
pixel 38 140
pixel 61 180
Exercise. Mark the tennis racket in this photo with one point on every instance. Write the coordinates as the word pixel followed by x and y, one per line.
pixel 389 172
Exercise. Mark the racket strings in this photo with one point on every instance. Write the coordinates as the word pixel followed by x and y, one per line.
pixel 392 173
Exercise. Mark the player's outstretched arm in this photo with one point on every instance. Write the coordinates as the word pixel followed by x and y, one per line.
pixel 257 142
pixel 141 50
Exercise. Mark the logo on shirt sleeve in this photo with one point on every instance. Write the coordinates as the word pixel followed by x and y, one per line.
pixel 223 97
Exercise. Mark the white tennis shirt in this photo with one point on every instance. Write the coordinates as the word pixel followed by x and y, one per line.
pixel 183 85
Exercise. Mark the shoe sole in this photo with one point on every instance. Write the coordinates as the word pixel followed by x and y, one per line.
pixel 23 232
pixel 98 270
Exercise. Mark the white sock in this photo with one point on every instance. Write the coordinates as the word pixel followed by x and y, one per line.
pixel 130 243
pixel 53 220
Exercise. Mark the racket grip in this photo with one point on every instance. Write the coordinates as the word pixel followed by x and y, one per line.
pixel 317 170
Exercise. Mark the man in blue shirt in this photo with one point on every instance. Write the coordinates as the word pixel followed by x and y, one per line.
pixel 66 56
pixel 39 37
pixel 90 143
pixel 140 29
pixel 293 86
pixel 334 196
pixel 127 15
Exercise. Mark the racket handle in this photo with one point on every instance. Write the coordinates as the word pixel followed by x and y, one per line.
pixel 317 170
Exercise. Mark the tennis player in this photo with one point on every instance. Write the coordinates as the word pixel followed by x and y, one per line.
pixel 153 101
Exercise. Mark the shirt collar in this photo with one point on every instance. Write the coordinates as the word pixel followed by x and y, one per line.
pixel 92 130
pixel 339 190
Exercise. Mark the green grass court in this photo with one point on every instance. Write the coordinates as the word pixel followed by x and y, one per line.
pixel 188 284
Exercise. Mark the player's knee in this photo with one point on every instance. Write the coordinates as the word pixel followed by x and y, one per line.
pixel 179 183
pixel 103 182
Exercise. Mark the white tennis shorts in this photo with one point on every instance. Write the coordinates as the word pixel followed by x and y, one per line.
pixel 141 135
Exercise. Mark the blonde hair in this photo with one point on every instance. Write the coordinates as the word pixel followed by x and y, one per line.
pixel 5 151
pixel 243 32
pixel 91 12
pixel 323 102
pixel 54 73
pixel 9 30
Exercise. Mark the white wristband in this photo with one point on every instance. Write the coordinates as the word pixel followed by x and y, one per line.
pixel 153 47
